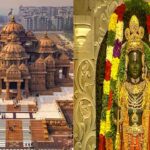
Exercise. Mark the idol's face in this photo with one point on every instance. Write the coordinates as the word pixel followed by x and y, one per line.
pixel 135 64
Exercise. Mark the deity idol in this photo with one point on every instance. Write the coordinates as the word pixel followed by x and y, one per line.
pixel 134 97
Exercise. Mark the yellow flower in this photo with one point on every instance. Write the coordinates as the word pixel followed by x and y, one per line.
pixel 106 87
pixel 109 52
pixel 102 127
pixel 108 122
pixel 113 22
pixel 114 69
pixel 119 31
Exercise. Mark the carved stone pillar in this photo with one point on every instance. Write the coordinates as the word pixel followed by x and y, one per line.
pixel 27 87
pixel 7 96
pixel 90 25
pixel 19 97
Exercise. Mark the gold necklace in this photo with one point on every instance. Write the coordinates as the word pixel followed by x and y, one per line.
pixel 135 94
pixel 135 88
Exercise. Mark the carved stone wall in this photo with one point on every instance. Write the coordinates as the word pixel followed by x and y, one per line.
pixel 90 25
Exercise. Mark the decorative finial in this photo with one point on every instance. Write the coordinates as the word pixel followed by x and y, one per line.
pixel 46 35
pixel 134 35
pixel 12 18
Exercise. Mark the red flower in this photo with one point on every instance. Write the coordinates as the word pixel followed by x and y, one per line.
pixel 148 23
pixel 101 142
pixel 110 100
pixel 120 11
pixel 107 70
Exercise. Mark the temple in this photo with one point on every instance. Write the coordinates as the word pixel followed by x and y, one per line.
pixel 36 90
pixel 29 65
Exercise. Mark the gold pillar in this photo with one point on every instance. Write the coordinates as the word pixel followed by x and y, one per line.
pixel 7 96
pixel 27 87
pixel 19 97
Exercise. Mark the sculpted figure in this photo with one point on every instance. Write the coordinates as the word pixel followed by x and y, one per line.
pixel 134 97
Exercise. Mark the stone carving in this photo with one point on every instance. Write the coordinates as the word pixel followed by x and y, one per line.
pixel 84 108
pixel 90 25
pixel 81 32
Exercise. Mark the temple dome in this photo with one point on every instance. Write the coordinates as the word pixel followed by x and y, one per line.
pixel 13 50
pixel 45 44
pixel 13 26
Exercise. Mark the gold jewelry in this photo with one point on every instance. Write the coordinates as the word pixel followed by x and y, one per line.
pixel 135 88
pixel 135 81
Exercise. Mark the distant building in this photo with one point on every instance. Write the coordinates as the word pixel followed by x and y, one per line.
pixel 46 18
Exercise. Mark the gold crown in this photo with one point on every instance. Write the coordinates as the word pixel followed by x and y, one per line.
pixel 134 35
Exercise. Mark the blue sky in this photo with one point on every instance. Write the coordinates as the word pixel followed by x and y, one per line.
pixel 5 5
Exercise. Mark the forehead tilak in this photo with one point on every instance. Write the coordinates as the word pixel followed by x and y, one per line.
pixel 134 56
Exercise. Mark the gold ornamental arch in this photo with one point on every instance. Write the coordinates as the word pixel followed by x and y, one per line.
pixel 91 19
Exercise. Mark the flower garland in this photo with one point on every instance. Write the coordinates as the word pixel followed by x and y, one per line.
pixel 115 62
pixel 106 89
pixel 108 64
pixel 115 35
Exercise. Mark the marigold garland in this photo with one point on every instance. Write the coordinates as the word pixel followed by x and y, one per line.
pixel 114 69
pixel 114 42
pixel 109 56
